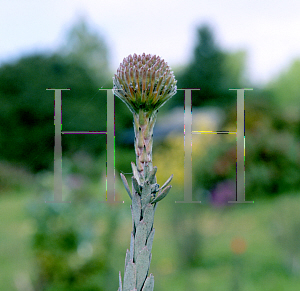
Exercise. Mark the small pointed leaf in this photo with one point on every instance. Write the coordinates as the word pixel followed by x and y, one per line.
pixel 132 218
pixel 150 166
pixel 136 208
pixel 130 276
pixel 131 246
pixel 149 284
pixel 135 172
pixel 142 267
pixel 140 238
pixel 162 194
pixel 148 217
pixel 146 194
pixel 150 240
pixel 126 185
pixel 167 182
pixel 152 178
pixel 120 282
pixel 127 258
pixel 136 186
pixel 147 172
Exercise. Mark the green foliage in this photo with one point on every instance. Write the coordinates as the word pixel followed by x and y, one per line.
pixel 85 47
pixel 270 239
pixel 74 245
pixel 271 161
pixel 212 70
pixel 14 178
pixel 66 250
pixel 285 90
pixel 286 231
pixel 286 87
pixel 27 113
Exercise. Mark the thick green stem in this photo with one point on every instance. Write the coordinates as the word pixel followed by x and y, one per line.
pixel 145 196
pixel 144 83
pixel 143 130
pixel 138 258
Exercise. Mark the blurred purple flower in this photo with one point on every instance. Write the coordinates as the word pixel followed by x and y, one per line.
pixel 223 192
pixel 75 181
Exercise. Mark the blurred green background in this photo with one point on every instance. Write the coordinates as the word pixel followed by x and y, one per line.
pixel 208 246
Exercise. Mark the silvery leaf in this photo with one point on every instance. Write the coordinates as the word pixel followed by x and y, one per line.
pixel 150 240
pixel 161 195
pixel 152 178
pixel 130 276
pixel 126 185
pixel 136 208
pixel 120 282
pixel 167 182
pixel 149 217
pixel 142 267
pixel 136 186
pixel 140 238
pixel 149 284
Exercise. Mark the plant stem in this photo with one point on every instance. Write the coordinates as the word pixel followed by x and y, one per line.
pixel 144 83
pixel 143 130
pixel 144 203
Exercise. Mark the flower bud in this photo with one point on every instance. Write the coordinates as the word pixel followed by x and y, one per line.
pixel 144 82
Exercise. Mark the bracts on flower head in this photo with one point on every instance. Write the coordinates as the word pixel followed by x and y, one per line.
pixel 144 82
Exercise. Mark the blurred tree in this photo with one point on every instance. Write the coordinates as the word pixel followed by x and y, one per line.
pixel 74 245
pixel 27 113
pixel 212 70
pixel 87 48
pixel 234 68
pixel 286 87
pixel 285 90
pixel 272 161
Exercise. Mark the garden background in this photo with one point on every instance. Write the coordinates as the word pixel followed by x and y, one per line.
pixel 208 246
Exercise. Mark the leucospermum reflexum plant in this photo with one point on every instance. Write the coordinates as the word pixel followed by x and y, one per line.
pixel 144 83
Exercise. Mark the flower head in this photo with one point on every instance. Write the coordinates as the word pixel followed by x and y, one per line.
pixel 144 82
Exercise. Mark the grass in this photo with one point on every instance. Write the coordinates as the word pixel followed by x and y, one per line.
pixel 260 267
pixel 15 253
